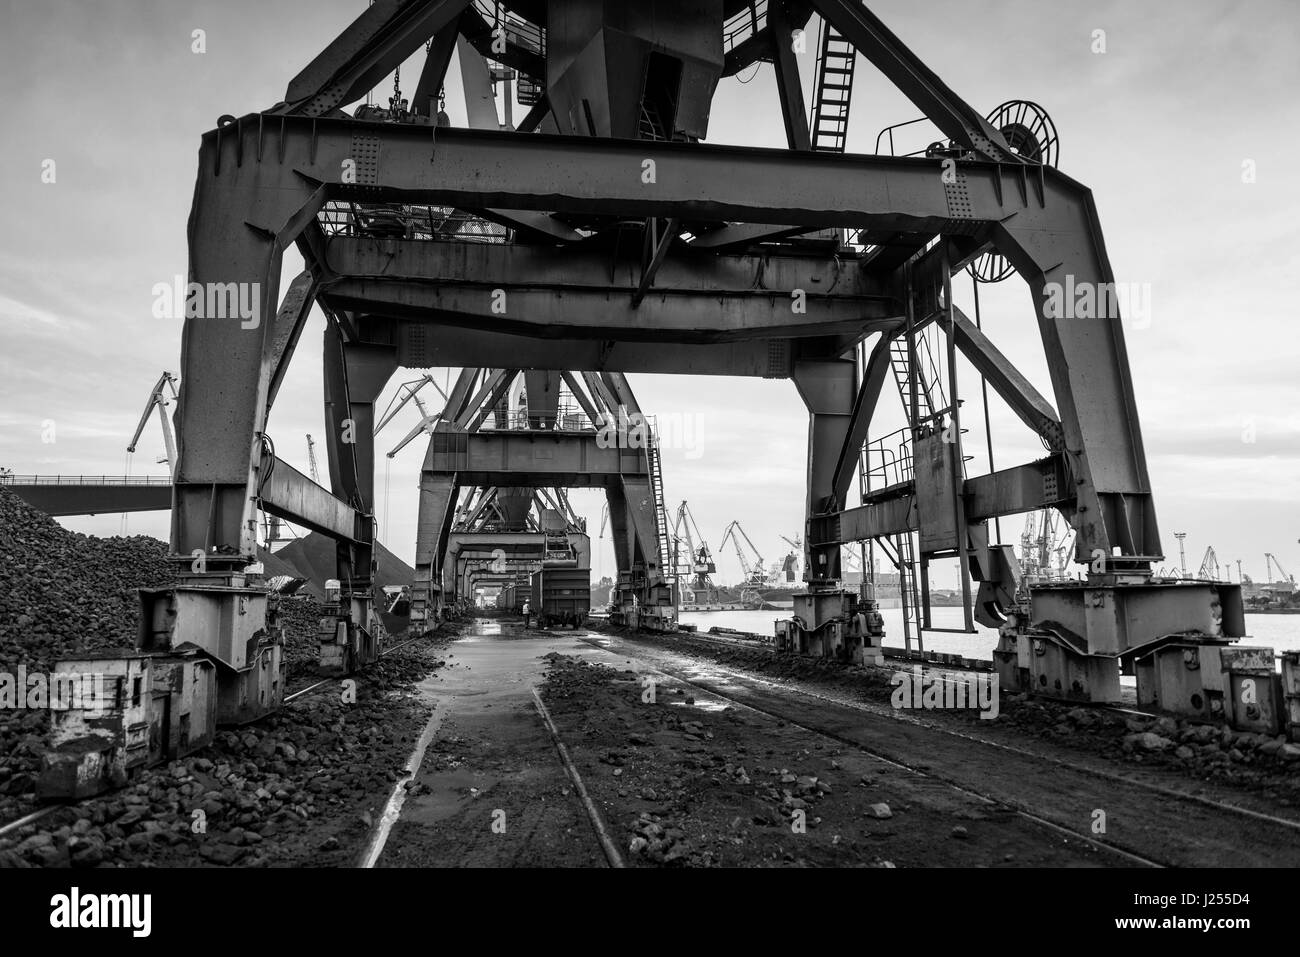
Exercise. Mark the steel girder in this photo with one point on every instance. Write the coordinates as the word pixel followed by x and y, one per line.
pixel 786 66
pixel 864 406
pixel 461 348
pixel 892 511
pixel 290 495
pixel 476 169
pixel 1006 380
pixel 376 43
pixel 572 293
pixel 530 459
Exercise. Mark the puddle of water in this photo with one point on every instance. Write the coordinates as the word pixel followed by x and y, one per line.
pixel 702 704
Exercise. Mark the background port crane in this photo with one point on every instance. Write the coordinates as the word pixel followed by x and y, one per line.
pixel 697 565
pixel 753 570
pixel 159 400
pixel 311 460
pixel 410 392
pixel 1210 565
pixel 1282 577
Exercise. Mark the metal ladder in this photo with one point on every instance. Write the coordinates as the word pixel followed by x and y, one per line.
pixel 834 90
pixel 650 126
pixel 657 494
pixel 899 360
pixel 909 590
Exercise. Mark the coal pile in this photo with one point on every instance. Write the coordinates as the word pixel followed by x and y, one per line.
pixel 63 593
pixel 300 617
pixel 314 558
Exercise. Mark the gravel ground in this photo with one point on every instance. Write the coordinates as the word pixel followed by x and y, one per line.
pixel 1268 766
pixel 683 782
pixel 300 788
pixel 293 788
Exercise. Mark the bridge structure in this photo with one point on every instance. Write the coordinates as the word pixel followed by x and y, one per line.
pixel 63 495
pixel 603 236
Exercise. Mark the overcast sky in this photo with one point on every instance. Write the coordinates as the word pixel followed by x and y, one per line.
pixel 1159 127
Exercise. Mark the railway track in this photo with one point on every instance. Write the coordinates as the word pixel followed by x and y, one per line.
pixel 41 813
pixel 609 853
pixel 1126 852
pixel 1122 853
pixel 1091 706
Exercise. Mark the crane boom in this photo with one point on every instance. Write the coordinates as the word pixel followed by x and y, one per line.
pixel 681 527
pixel 408 392
pixel 311 460
pixel 1210 565
pixel 1270 560
pixel 158 400
pixel 734 532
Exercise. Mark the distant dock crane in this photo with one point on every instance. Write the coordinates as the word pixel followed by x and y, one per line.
pixel 158 399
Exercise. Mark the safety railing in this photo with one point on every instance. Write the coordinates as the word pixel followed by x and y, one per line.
pixel 744 25
pixel 10 479
pixel 887 461
pixel 569 419
pixel 888 134
pixel 519 32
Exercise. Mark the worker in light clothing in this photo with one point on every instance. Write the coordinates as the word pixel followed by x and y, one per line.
pixel 526 623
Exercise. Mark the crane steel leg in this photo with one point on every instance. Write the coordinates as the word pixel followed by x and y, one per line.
pixel 438 495
pixel 354 376
pixel 232 350
pixel 828 621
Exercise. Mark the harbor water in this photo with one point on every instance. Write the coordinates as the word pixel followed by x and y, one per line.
pixel 1279 632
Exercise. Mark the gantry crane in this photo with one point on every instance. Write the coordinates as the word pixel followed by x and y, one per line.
pixel 697 565
pixel 893 231
pixel 159 400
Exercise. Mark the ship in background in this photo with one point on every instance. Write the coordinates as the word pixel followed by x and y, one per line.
pixel 784 580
